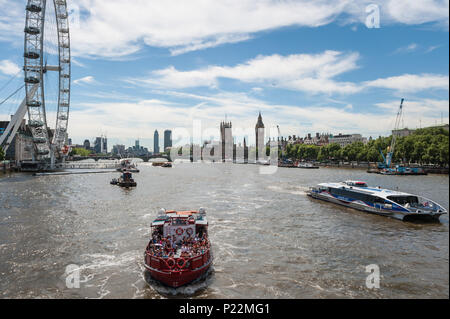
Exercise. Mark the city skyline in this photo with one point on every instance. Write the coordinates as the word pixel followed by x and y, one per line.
pixel 349 81
pixel 315 138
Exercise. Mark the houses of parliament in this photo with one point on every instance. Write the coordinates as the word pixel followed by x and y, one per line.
pixel 229 147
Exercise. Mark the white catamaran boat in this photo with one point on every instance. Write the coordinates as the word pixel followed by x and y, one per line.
pixel 395 204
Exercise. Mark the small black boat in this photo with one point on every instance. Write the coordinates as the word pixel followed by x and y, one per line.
pixel 126 180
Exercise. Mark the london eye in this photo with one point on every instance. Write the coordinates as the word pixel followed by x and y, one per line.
pixel 47 77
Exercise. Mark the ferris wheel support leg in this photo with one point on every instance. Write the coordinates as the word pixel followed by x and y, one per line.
pixel 16 120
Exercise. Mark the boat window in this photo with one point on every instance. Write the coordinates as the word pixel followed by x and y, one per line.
pixel 360 184
pixel 356 184
pixel 355 195
pixel 178 222
pixel 403 200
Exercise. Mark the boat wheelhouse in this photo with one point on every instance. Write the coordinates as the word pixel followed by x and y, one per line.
pixel 377 200
pixel 127 165
pixel 126 180
pixel 179 250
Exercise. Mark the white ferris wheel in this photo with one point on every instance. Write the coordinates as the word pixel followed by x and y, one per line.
pixel 47 77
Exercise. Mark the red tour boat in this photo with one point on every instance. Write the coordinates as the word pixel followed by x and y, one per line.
pixel 179 250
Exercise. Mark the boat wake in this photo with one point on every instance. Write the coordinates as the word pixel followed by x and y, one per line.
pixel 192 289
pixel 294 190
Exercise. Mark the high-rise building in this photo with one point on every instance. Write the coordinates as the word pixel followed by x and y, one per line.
pixel 87 144
pixel 167 139
pixel 98 145
pixel 101 145
pixel 156 142
pixel 118 149
pixel 104 145
pixel 259 133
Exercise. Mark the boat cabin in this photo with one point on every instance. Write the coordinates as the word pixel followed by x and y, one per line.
pixel 356 184
pixel 126 176
pixel 180 225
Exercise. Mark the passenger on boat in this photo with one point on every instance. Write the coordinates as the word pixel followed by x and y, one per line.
pixel 167 247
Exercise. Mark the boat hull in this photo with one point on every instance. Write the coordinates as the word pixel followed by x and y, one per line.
pixel 128 170
pixel 176 277
pixel 127 184
pixel 404 173
pixel 361 206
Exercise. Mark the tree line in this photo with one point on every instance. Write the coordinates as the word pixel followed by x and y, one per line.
pixel 424 146
pixel 80 151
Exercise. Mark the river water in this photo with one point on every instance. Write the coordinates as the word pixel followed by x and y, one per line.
pixel 268 238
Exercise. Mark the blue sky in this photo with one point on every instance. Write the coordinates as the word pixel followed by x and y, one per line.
pixel 308 66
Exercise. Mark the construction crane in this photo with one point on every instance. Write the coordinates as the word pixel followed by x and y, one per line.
pixel 391 149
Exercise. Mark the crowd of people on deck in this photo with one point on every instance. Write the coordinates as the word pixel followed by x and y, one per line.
pixel 167 247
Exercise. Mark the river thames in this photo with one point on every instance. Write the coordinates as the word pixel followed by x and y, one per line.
pixel 269 239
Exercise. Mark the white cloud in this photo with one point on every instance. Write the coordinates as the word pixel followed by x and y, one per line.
pixel 143 117
pixel 432 48
pixel 407 49
pixel 86 80
pixel 412 82
pixel 313 73
pixel 117 28
pixel 78 63
pixel 200 45
pixel 418 12
pixel 8 67
pixel 418 107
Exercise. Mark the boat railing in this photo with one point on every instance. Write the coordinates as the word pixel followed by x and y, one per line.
pixel 426 204
pixel 191 263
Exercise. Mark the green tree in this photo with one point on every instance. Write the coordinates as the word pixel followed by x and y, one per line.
pixel 290 151
pixel 323 154
pixel 80 151
pixel 430 145
pixel 443 153
pixel 2 154
pixel 334 151
pixel 419 151
pixel 373 154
